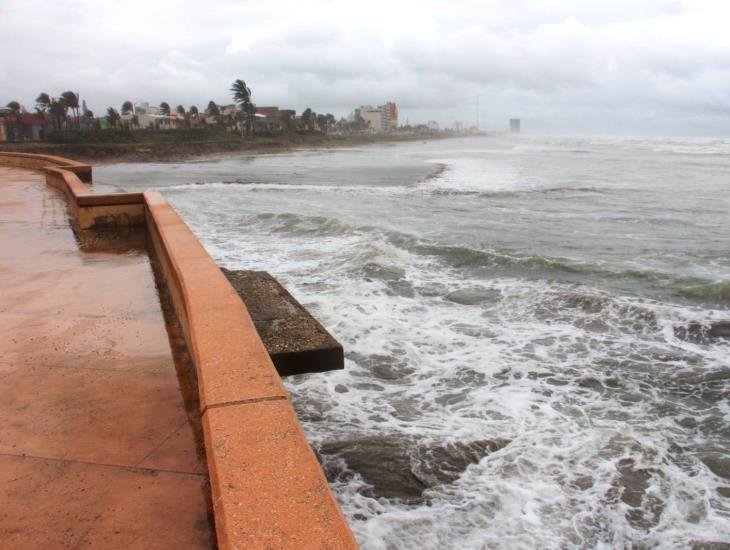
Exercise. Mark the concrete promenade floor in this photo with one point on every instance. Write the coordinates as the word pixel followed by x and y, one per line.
pixel 100 440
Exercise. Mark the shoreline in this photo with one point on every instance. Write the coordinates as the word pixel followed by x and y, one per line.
pixel 264 144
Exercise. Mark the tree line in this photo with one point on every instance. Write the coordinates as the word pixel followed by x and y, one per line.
pixel 66 112
pixel 58 108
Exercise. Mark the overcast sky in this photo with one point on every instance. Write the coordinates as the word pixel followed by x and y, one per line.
pixel 563 66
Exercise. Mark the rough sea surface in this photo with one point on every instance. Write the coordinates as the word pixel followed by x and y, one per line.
pixel 537 329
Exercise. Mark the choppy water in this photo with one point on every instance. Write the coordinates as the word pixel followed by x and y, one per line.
pixel 527 321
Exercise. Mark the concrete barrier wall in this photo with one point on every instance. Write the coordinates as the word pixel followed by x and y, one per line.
pixel 268 490
pixel 92 211
pixel 39 162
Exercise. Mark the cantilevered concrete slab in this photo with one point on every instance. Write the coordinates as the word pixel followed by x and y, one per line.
pixel 296 341
pixel 100 435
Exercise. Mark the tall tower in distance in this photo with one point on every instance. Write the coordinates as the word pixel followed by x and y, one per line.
pixel 514 125
pixel 390 113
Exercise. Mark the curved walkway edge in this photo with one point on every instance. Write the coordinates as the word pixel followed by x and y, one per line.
pixel 267 488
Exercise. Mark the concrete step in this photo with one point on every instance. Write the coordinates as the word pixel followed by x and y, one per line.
pixel 296 341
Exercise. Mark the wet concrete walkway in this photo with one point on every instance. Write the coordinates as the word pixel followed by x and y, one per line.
pixel 99 429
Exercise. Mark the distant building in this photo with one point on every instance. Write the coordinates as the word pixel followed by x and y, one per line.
pixel 23 126
pixel 226 110
pixel 458 126
pixel 390 114
pixel 144 108
pixel 267 118
pixel 288 117
pixel 383 118
pixel 433 125
pixel 4 115
pixel 152 122
pixel 374 117
pixel 514 125
pixel 150 117
pixel 274 119
pixel 35 126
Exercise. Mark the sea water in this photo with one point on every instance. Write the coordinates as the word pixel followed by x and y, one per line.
pixel 533 329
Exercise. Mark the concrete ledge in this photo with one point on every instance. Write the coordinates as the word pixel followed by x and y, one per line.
pixel 296 341
pixel 272 492
pixel 267 487
pixel 40 162
pixel 94 211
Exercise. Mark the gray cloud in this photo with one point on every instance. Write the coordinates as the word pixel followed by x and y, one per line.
pixel 626 66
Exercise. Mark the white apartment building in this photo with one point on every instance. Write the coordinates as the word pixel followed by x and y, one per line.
pixel 373 117
pixel 379 119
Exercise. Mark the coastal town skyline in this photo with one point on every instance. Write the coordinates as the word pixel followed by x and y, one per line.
pixel 68 112
pixel 645 67
pixel 374 118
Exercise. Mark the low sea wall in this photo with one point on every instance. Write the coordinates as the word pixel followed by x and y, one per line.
pixel 267 487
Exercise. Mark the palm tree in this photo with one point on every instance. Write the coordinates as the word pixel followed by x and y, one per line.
pixel 58 110
pixel 127 109
pixel 212 109
pixel 112 115
pixel 14 106
pixel 242 96
pixel 306 117
pixel 86 112
pixel 193 114
pixel 43 102
pixel 182 116
pixel 360 124
pixel 165 108
pixel 71 100
pixel 322 122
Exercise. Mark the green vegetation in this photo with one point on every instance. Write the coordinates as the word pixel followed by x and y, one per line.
pixel 242 97
pixel 67 115
pixel 59 111
pixel 113 117
pixel 43 102
pixel 71 101
pixel 212 109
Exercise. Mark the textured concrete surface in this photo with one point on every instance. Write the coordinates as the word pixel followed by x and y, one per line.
pixel 100 436
pixel 232 364
pixel 272 493
pixel 268 490
pixel 296 341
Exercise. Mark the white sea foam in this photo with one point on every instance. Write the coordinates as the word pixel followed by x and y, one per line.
pixel 516 369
